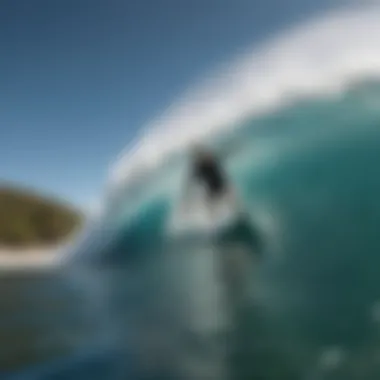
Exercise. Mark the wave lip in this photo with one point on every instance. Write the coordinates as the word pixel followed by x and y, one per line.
pixel 321 56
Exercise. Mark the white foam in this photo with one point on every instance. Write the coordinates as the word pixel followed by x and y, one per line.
pixel 320 56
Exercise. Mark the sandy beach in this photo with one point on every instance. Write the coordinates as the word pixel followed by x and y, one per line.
pixel 31 258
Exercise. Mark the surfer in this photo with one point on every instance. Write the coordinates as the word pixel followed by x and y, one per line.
pixel 207 170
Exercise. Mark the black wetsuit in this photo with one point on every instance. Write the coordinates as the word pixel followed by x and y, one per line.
pixel 211 174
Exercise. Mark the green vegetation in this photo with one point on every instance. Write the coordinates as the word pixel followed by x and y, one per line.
pixel 28 219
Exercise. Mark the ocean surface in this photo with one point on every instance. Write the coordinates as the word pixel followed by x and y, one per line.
pixel 305 304
pixel 301 300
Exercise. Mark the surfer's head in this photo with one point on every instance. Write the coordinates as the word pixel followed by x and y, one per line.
pixel 201 153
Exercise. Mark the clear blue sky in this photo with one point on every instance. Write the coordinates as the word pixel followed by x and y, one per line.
pixel 79 77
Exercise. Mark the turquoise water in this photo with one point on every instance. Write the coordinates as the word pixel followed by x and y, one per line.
pixel 304 304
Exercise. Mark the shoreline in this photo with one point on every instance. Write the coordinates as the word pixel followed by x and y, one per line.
pixel 28 258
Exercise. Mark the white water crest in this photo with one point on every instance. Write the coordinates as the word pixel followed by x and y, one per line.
pixel 321 56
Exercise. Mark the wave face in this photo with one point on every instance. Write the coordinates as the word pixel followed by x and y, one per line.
pixel 308 301
pixel 258 149
pixel 301 119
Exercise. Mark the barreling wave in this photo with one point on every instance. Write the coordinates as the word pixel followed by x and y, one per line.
pixel 320 57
